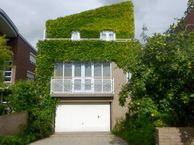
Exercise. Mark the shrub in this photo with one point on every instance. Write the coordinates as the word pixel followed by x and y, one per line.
pixel 2 109
pixel 24 96
pixel 40 123
pixel 12 140
pixel 138 127
pixel 139 131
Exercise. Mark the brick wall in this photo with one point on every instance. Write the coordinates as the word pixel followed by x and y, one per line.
pixel 174 136
pixel 21 62
pixel 13 123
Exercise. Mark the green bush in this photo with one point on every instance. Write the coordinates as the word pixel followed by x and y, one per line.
pixel 24 96
pixel 139 125
pixel 2 109
pixel 12 140
pixel 139 131
pixel 40 123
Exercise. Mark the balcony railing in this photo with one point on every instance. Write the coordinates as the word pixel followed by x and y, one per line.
pixel 101 87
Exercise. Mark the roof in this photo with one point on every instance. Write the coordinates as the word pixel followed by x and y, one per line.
pixel 7 26
pixel 118 18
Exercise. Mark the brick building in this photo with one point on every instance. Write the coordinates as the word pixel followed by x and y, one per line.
pixel 24 55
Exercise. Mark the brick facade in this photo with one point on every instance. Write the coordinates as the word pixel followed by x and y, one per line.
pixel 21 61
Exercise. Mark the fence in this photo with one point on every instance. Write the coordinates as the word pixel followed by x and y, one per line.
pixel 12 124
pixel 174 136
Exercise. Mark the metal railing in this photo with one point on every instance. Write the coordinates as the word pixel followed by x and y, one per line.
pixel 82 86
pixel 92 39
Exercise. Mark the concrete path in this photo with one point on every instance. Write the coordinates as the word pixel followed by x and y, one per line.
pixel 81 139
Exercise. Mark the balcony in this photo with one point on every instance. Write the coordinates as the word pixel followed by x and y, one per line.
pixel 82 87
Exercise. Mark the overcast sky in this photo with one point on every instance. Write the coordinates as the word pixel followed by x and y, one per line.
pixel 30 15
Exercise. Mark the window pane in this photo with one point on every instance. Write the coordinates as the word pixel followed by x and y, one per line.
pixel 88 85
pixel 7 79
pixel 68 70
pixel 111 36
pixel 97 70
pixel 59 69
pixel 78 70
pixel 77 85
pixel 97 85
pixel 103 36
pixel 7 73
pixel 67 85
pixel 106 70
pixel 88 70
pixel 57 85
pixel 107 85
pixel 32 58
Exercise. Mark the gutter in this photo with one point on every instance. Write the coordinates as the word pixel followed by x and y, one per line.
pixel 9 22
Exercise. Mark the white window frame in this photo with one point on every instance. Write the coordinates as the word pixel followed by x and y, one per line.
pixel 31 73
pixel 83 77
pixel 75 36
pixel 8 71
pixel 105 35
pixel 32 58
pixel 128 77
pixel 8 76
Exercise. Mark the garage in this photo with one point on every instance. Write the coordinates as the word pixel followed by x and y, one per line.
pixel 82 118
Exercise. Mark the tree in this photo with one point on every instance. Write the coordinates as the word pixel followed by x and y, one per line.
pixel 165 74
pixel 190 6
pixel 5 55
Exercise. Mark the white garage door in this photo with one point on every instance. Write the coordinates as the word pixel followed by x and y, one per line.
pixel 82 117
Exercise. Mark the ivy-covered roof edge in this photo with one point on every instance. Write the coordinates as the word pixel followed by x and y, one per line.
pixel 117 17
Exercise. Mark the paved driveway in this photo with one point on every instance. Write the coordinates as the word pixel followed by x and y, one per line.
pixel 81 139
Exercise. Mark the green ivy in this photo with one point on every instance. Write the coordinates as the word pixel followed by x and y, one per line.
pixel 118 18
pixel 52 51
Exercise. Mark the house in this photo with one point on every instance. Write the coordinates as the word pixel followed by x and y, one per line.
pixel 82 60
pixel 189 20
pixel 22 66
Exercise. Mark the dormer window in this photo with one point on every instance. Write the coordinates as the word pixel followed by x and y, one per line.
pixel 108 36
pixel 75 36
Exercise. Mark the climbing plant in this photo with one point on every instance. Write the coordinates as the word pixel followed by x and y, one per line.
pixel 118 18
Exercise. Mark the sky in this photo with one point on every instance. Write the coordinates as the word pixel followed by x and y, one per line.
pixel 30 16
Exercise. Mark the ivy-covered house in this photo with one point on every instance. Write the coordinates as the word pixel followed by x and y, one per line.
pixel 81 62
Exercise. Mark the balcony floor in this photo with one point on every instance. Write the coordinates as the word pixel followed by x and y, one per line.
pixel 82 95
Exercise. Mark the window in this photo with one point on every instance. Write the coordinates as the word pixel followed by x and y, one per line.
pixel 75 36
pixel 106 70
pixel 78 70
pixel 128 77
pixel 83 77
pixel 8 73
pixel 97 70
pixel 30 75
pixel 32 58
pixel 67 70
pixel 58 69
pixel 107 36
pixel 88 71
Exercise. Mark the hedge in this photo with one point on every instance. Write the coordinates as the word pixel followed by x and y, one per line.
pixel 118 18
